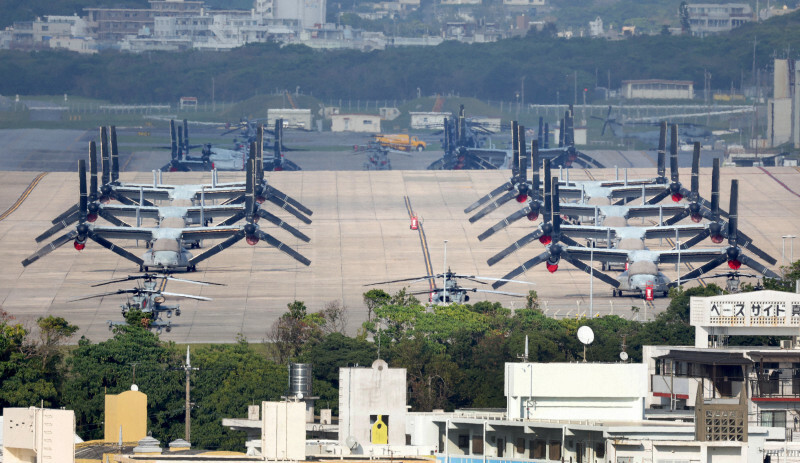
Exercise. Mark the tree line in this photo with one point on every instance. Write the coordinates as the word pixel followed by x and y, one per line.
pixel 552 66
pixel 454 356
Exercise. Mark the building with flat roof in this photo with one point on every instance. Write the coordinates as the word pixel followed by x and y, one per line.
pixel 658 89
pixel 712 18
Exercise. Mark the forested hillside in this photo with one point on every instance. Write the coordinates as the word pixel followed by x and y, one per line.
pixel 491 70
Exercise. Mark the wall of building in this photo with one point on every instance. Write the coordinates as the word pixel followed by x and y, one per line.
pixel 365 393
pixel 355 123
pixel 38 435
pixel 127 411
pixel 579 391
pixel 296 118
pixel 283 427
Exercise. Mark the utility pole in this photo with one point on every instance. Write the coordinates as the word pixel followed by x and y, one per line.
pixel 188 369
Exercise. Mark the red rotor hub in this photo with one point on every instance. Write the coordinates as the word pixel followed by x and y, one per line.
pixel 696 218
pixel 522 197
pixel 252 240
pixel 533 215
pixel 545 239
pixel 91 217
pixel 717 238
pixel 677 197
pixel 552 267
pixel 734 264
pixel 79 245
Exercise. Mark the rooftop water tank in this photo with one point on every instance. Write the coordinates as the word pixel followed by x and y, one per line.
pixel 300 379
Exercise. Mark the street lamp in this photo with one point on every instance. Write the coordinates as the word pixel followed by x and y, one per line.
pixel 791 248
pixel 444 275
pixel 591 281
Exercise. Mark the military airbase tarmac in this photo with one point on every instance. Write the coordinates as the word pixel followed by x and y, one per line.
pixel 360 234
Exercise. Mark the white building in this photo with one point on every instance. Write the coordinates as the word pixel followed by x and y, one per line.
pixel 428 120
pixel 558 391
pixel 712 18
pixel 783 120
pixel 310 13
pixel 292 118
pixel 369 123
pixel 38 434
pixel 523 2
pixel 372 407
pixel 658 89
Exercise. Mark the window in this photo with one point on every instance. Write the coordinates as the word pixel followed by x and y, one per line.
pixel 501 448
pixel 538 449
pixel 555 450
pixel 520 446
pixel 600 450
pixel 463 442
pixel 773 419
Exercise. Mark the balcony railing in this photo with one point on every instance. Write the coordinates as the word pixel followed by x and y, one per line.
pixel 775 389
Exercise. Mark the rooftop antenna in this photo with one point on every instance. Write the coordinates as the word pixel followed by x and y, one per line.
pixel 188 420
pixel 524 356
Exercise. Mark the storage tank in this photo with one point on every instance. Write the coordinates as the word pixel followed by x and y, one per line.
pixel 300 379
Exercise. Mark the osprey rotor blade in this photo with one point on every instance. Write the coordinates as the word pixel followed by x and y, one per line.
pixel 55 244
pixel 758 267
pixel 115 249
pixel 492 206
pixel 412 280
pixel 696 239
pixel 272 241
pixel 66 222
pixel 216 249
pixel 275 220
pixel 288 208
pixel 702 269
pixel 522 268
pixel 579 264
pixel 504 187
pixel 514 247
pixel 505 222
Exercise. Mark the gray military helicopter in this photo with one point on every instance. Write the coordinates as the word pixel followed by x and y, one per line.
pixel 149 297
pixel 451 292
pixel 377 155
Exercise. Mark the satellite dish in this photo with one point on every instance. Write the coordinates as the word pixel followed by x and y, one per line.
pixel 134 387
pixel 585 335
pixel 623 356
pixel 351 442
pixel 299 396
pixel 159 299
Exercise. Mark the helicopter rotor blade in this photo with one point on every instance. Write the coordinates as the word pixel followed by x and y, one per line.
pixel 188 296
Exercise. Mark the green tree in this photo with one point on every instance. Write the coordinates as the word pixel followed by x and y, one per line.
pixel 293 329
pixel 25 379
pixel 375 298
pixel 230 377
pixel 108 367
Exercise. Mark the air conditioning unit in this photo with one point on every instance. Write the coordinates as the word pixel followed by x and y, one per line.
pixel 786 344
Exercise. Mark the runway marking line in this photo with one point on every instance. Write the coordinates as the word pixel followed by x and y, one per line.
pixel 23 196
pixel 779 182
pixel 424 243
